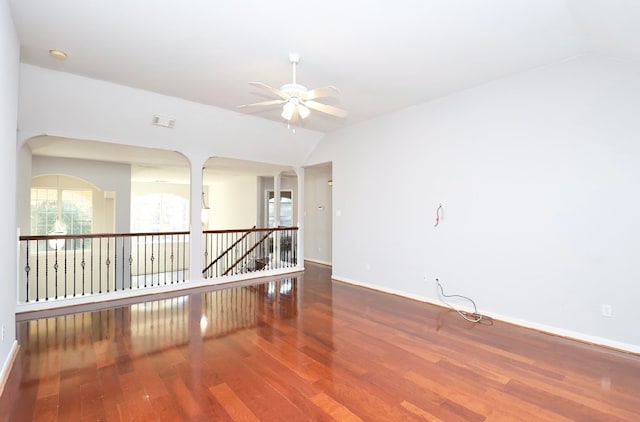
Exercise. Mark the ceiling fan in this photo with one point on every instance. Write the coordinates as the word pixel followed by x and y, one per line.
pixel 297 99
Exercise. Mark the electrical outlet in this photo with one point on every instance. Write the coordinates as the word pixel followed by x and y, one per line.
pixel 606 310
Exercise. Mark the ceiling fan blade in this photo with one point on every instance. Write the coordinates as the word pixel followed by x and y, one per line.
pixel 271 89
pixel 325 91
pixel 334 111
pixel 263 103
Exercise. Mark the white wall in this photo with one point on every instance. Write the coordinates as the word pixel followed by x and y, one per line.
pixel 62 104
pixel 9 66
pixel 233 202
pixel 538 175
pixel 318 213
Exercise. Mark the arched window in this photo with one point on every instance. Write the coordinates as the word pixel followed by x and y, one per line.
pixel 73 208
pixel 159 212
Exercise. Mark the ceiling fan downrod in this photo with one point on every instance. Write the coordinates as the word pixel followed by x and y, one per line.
pixel 294 58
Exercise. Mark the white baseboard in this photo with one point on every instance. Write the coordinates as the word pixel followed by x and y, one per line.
pixel 8 364
pixel 586 338
pixel 317 261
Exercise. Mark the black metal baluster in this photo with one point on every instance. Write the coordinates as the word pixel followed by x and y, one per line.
pixel 91 264
pixel 138 261
pixel 108 263
pixel 75 283
pixel 82 264
pixel 46 264
pixel 285 252
pixel 229 255
pixel 27 269
pixel 115 264
pixel 171 257
pixel 245 247
pixel 222 247
pixel 123 264
pixel 215 254
pixel 178 252
pixel 152 261
pixel 65 272
pixel 46 271
pixel 55 269
pixel 184 257
pixel 206 253
pixel 289 246
pixel 145 261
pixel 100 265
pixel 130 264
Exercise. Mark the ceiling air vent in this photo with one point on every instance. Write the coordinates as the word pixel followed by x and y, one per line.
pixel 164 121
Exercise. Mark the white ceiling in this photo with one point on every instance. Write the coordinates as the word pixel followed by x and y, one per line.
pixel 383 56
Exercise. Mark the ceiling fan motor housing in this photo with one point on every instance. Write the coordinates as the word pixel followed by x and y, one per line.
pixel 293 90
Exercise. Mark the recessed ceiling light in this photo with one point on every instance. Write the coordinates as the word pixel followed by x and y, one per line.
pixel 57 54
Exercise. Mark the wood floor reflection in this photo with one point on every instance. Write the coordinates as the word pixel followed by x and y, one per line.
pixel 307 348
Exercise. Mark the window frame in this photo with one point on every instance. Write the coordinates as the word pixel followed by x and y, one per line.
pixel 270 194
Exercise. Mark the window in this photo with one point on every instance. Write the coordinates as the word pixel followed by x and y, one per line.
pixel 159 212
pixel 73 208
pixel 286 209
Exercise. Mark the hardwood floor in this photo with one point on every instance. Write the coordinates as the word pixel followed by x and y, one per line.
pixel 307 349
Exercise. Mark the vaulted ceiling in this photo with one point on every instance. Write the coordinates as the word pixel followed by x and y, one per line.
pixel 383 56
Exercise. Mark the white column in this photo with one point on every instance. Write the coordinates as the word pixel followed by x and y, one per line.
pixel 196 263
pixel 276 210
pixel 276 195
pixel 301 206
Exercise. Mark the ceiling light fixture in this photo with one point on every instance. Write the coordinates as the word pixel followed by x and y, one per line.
pixel 288 110
pixel 303 111
pixel 58 54
pixel 58 229
pixel 294 105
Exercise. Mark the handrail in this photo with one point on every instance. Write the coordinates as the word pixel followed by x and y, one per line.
pixel 239 260
pixel 97 235
pixel 230 248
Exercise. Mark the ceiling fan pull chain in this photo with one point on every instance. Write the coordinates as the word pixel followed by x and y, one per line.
pixel 294 72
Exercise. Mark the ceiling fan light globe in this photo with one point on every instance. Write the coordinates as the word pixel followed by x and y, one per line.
pixel 303 111
pixel 288 110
